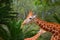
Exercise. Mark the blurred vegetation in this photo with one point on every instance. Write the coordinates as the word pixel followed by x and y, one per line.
pixel 11 31
pixel 13 12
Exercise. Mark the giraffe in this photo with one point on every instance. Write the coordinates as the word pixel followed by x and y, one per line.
pixel 54 28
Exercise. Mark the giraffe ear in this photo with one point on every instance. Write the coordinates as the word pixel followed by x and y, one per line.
pixel 30 14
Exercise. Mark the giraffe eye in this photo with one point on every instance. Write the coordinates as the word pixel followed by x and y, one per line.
pixel 30 18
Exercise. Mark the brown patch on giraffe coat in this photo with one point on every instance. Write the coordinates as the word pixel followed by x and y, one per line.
pixel 53 28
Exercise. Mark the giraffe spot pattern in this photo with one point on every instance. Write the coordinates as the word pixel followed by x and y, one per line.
pixel 51 27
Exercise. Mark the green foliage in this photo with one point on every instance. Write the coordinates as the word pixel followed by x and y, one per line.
pixel 30 30
pixel 4 34
pixel 13 10
pixel 16 32
pixel 5 12
pixel 12 32
pixel 57 18
pixel 45 36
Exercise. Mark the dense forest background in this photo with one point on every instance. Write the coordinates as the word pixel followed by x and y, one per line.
pixel 13 12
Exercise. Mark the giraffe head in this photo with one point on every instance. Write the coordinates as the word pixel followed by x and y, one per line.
pixel 30 18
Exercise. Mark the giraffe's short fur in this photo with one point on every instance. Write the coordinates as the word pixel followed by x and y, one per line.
pixel 54 28
pixel 51 27
pixel 55 36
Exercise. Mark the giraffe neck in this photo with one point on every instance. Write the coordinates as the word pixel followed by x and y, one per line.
pixel 50 27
